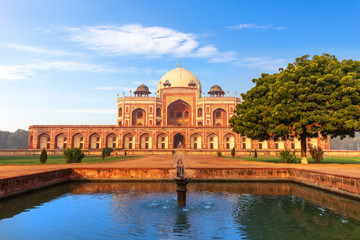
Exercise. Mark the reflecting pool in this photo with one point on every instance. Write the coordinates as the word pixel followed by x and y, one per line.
pixel 149 211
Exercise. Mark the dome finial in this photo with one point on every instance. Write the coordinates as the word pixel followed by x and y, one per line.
pixel 179 63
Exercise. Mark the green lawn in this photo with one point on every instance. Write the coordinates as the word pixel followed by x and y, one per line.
pixel 340 160
pixel 55 159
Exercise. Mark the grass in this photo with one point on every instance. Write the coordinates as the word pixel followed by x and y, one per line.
pixel 327 160
pixel 23 160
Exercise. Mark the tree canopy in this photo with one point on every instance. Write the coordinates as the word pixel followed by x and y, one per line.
pixel 14 140
pixel 311 96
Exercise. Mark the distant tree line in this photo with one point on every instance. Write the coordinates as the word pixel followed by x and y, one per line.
pixel 14 140
pixel 346 143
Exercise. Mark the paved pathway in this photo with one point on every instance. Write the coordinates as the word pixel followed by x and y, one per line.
pixel 191 161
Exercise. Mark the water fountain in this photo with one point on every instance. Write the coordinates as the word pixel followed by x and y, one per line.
pixel 181 182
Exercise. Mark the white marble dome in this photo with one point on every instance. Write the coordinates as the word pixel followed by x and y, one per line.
pixel 179 77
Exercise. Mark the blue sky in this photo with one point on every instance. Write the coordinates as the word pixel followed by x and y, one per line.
pixel 63 62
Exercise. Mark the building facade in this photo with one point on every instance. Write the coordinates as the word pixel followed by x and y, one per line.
pixel 178 116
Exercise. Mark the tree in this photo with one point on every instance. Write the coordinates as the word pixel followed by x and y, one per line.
pixel 18 139
pixel 43 156
pixel 233 152
pixel 73 155
pixel 106 152
pixel 14 140
pixel 311 96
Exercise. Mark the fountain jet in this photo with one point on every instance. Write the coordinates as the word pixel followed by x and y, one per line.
pixel 181 182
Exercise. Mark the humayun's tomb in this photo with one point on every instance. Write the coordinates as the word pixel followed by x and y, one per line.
pixel 179 115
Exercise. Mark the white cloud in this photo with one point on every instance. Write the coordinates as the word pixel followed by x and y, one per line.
pixel 102 111
pixel 263 63
pixel 255 26
pixel 136 40
pixel 44 51
pixel 24 71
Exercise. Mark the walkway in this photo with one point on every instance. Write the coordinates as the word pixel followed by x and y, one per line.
pixel 191 161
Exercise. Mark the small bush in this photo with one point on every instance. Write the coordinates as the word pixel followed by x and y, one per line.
pixel 73 155
pixel 317 154
pixel 106 152
pixel 233 152
pixel 288 156
pixel 43 156
pixel 255 154
pixel 219 154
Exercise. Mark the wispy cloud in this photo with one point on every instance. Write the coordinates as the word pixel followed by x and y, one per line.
pixel 24 71
pixel 148 82
pixel 255 26
pixel 43 51
pixel 100 111
pixel 263 63
pixel 136 40
pixel 109 88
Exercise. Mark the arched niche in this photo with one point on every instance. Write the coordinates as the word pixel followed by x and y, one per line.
pixel 44 141
pixel 162 141
pixel 195 141
pixel 145 141
pixel 95 141
pixel 138 117
pixel 78 141
pixel 158 112
pixel 219 118
pixel 229 141
pixel 199 112
pixel 129 141
pixel 111 141
pixel 179 114
pixel 212 141
pixel 61 141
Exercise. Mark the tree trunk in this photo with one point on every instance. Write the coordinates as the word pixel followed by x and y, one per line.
pixel 303 149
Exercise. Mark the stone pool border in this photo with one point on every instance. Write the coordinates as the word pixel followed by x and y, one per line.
pixel 339 184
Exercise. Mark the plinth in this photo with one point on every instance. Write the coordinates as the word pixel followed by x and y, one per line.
pixel 181 190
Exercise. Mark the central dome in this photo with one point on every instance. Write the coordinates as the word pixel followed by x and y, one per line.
pixel 179 77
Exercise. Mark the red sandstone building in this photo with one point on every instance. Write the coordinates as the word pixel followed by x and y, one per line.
pixel 179 115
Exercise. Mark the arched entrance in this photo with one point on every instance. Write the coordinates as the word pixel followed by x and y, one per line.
pixel 179 141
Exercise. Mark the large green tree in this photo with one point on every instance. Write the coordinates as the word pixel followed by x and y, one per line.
pixel 311 96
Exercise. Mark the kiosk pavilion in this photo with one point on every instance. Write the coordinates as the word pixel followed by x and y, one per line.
pixel 178 116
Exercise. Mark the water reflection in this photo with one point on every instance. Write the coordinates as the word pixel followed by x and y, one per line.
pixel 150 211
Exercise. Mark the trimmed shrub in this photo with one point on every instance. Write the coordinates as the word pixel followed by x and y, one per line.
pixel 317 154
pixel 43 156
pixel 73 155
pixel 288 156
pixel 106 152
pixel 219 154
pixel 233 152
pixel 255 154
